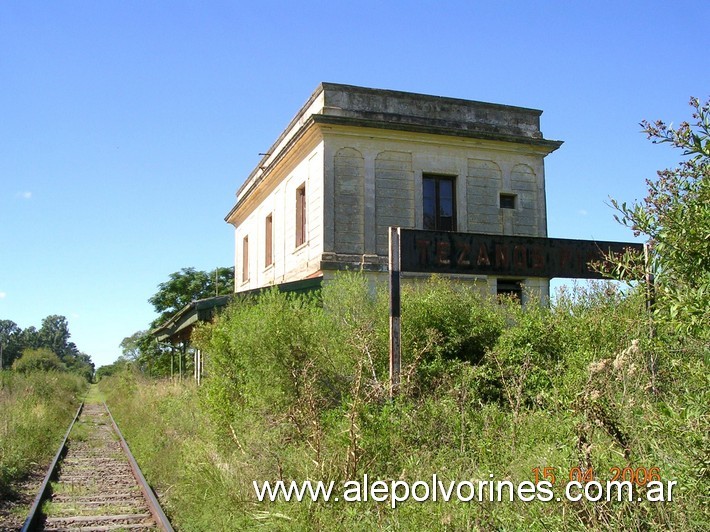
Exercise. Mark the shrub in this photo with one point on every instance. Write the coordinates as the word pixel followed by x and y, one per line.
pixel 675 215
pixel 265 353
pixel 41 359
pixel 296 388
pixel 448 320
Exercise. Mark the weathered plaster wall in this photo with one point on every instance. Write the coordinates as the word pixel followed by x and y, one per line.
pixel 388 172
pixel 289 261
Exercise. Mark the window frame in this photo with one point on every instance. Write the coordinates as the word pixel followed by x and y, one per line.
pixel 438 179
pixel 510 287
pixel 301 216
pixel 245 259
pixel 269 240
pixel 508 197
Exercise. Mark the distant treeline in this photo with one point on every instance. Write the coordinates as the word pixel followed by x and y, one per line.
pixel 45 348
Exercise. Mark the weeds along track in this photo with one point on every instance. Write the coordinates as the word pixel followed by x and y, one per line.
pixel 94 482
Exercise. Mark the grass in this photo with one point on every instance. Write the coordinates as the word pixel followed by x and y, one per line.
pixel 67 509
pixel 94 395
pixel 59 488
pixel 80 431
pixel 562 388
pixel 35 411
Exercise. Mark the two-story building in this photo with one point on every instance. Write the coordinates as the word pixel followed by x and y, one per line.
pixel 355 161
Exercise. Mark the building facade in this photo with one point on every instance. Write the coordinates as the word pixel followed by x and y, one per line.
pixel 355 161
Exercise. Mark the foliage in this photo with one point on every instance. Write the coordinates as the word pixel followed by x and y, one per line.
pixel 35 411
pixel 465 324
pixel 676 217
pixel 53 335
pixel 296 390
pixel 121 364
pixel 265 352
pixel 141 349
pixel 188 285
pixel 131 346
pixel 10 342
pixel 41 359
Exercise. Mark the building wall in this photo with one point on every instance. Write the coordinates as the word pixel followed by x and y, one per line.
pixel 278 198
pixel 377 182
pixel 358 185
pixel 349 201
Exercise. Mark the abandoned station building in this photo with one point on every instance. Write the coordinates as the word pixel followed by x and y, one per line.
pixel 355 161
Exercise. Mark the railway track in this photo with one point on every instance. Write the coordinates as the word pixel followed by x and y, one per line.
pixel 94 483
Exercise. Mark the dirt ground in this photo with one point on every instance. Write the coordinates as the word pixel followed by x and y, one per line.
pixel 14 509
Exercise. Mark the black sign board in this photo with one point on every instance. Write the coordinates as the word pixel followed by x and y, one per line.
pixel 515 256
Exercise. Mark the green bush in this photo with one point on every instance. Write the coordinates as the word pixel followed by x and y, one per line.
pixel 449 320
pixel 278 350
pixel 41 359
pixel 265 354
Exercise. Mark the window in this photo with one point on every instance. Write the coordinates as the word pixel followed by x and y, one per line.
pixel 245 259
pixel 269 240
pixel 301 215
pixel 510 288
pixel 439 203
pixel 507 201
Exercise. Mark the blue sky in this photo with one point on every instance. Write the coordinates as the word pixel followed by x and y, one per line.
pixel 126 127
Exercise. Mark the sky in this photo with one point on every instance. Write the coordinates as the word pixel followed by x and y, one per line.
pixel 126 127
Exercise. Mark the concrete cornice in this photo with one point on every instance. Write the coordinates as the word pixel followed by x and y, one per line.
pixel 305 132
pixel 437 129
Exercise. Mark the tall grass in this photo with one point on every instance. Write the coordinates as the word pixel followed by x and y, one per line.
pixel 174 442
pixel 297 391
pixel 35 411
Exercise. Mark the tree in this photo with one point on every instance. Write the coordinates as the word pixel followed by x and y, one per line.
pixel 142 350
pixel 54 334
pixel 675 215
pixel 80 364
pixel 131 346
pixel 30 338
pixel 121 364
pixel 182 288
pixel 10 343
pixel 188 285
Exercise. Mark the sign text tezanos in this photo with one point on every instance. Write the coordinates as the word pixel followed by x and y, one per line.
pixel 484 254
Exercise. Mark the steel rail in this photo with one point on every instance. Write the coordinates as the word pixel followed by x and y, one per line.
pixel 31 520
pixel 148 494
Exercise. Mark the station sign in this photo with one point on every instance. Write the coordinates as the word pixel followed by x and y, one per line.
pixel 502 255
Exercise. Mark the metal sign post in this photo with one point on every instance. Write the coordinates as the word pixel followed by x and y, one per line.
pixel 650 288
pixel 448 252
pixel 395 311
